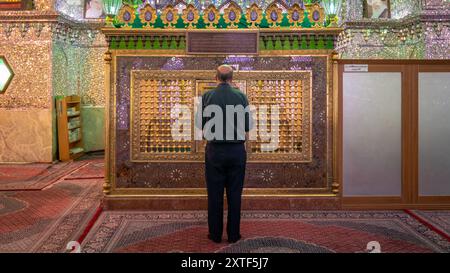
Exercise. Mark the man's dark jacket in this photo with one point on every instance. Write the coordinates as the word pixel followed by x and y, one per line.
pixel 224 94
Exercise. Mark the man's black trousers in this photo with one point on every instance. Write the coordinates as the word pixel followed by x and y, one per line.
pixel 225 169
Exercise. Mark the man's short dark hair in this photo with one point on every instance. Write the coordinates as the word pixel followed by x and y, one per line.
pixel 224 73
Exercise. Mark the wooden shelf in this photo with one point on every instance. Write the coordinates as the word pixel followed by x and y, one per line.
pixel 66 147
pixel 75 141
pixel 76 127
pixel 73 115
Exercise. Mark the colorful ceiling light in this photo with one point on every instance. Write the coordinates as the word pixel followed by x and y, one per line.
pixel 111 8
pixel 332 9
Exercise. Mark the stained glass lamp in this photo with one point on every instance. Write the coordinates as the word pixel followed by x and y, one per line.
pixel 111 8
pixel 332 9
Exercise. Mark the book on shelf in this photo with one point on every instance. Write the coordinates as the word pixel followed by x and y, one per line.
pixel 70 137
pixel 74 123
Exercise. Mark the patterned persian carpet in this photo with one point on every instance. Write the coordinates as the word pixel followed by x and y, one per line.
pixel 45 221
pixel 44 206
pixel 34 176
pixel 439 219
pixel 131 231
pixel 93 170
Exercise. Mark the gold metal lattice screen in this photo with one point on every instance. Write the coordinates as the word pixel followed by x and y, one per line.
pixel 156 100
pixel 155 93
pixel 286 95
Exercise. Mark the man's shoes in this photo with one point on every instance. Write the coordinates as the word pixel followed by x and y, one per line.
pixel 234 239
pixel 215 240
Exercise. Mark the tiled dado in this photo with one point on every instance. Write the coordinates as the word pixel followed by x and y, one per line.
pixel 25 135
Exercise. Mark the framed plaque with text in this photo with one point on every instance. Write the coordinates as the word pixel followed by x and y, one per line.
pixel 221 42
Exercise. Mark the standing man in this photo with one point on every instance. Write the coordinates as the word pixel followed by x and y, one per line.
pixel 225 121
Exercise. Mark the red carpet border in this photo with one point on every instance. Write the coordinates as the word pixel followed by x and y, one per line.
pixel 438 221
